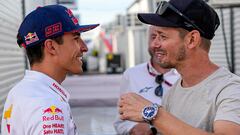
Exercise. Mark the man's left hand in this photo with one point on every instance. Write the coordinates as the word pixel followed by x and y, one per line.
pixel 130 107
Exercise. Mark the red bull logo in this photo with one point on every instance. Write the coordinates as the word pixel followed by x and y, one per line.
pixel 31 37
pixel 52 110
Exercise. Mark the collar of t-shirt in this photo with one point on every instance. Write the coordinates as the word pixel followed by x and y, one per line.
pixel 151 69
pixel 153 72
pixel 54 85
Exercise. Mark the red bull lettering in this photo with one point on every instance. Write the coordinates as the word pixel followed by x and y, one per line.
pixel 54 117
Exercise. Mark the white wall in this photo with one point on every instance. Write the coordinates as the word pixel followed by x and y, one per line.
pixel 12 63
pixel 12 58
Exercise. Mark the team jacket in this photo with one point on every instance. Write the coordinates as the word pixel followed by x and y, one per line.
pixel 37 105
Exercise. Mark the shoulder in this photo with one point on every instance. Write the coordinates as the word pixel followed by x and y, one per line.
pixel 223 79
pixel 138 68
pixel 26 89
pixel 227 91
pixel 228 84
pixel 29 96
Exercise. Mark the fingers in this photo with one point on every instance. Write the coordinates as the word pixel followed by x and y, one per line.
pixel 127 107
pixel 122 113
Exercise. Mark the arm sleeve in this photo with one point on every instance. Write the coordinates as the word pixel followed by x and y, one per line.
pixel 124 126
pixel 48 118
pixel 228 104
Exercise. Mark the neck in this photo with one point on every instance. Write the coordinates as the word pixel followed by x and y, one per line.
pixel 49 70
pixel 158 68
pixel 194 72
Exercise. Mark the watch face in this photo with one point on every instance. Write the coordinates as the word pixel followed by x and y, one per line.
pixel 149 112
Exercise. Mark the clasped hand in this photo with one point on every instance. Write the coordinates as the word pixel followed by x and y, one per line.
pixel 130 107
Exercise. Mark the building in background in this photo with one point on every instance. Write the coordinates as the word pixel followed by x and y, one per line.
pixel 129 35
pixel 225 49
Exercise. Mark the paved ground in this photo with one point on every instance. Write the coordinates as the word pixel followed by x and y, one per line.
pixel 93 90
pixel 93 100
pixel 95 120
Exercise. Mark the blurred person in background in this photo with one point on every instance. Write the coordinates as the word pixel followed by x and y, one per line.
pixel 38 104
pixel 149 80
pixel 206 100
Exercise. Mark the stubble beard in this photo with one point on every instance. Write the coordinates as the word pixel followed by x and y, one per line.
pixel 180 56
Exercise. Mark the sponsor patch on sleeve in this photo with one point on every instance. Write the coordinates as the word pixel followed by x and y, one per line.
pixel 7 116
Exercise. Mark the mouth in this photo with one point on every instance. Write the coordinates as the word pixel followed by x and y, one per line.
pixel 159 54
pixel 80 58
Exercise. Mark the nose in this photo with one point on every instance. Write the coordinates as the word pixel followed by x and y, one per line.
pixel 156 42
pixel 83 46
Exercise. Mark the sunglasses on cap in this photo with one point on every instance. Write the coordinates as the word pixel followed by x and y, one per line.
pixel 159 89
pixel 164 5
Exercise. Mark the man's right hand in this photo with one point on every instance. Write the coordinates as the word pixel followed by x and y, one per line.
pixel 141 129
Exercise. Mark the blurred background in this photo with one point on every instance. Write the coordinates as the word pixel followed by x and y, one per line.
pixel 119 43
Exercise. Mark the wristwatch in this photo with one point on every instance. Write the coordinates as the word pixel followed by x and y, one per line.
pixel 149 112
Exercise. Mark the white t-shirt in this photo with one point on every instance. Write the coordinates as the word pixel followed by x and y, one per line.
pixel 37 105
pixel 215 98
pixel 141 80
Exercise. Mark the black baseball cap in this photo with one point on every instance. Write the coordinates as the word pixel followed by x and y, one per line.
pixel 186 14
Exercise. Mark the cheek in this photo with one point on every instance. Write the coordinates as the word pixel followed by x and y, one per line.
pixel 151 48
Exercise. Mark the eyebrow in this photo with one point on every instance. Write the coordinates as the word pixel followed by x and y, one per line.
pixel 159 32
pixel 76 34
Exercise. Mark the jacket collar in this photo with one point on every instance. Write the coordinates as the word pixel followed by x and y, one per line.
pixel 54 85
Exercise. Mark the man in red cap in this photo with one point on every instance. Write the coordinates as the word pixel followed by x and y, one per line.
pixel 38 104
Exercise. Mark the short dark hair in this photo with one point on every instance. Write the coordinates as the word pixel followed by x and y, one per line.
pixel 35 53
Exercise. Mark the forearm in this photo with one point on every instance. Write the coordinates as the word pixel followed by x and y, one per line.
pixel 168 124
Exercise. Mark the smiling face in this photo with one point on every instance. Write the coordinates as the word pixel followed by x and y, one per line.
pixel 71 52
pixel 166 47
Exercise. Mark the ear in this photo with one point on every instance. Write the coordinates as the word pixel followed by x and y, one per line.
pixel 193 39
pixel 50 47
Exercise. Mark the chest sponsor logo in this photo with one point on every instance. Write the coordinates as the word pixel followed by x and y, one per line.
pixel 54 128
pixel 52 113
pixel 53 121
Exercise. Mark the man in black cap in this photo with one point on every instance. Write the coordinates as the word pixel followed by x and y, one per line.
pixel 206 100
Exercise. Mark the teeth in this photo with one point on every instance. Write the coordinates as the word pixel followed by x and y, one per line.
pixel 80 58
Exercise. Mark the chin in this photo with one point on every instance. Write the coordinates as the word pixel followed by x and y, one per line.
pixel 166 65
pixel 77 71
